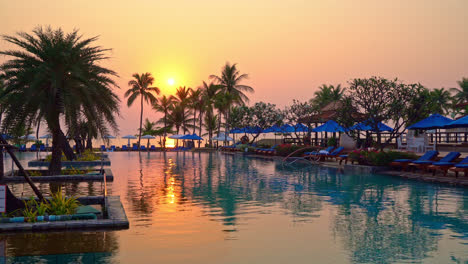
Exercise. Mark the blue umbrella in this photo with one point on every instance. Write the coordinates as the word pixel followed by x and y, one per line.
pixel 253 130
pixel 237 131
pixel 432 122
pixel 273 129
pixel 192 137
pixel 365 126
pixel 301 128
pixel 287 128
pixel 462 122
pixel 329 126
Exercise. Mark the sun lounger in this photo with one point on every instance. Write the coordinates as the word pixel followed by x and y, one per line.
pixel 103 148
pixel 152 148
pixel 42 148
pixel 445 166
pixel 135 148
pixel 22 148
pixel 424 164
pixel 33 148
pixel 403 163
pixel 324 151
pixel 112 148
pixel 124 148
pixel 142 148
pixel 334 153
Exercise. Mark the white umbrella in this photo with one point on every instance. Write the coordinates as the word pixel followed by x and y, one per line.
pixel 223 137
pixel 176 136
pixel 129 137
pixel 148 137
pixel 109 137
pixel 29 137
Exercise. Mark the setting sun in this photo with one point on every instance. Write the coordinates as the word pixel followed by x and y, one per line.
pixel 171 81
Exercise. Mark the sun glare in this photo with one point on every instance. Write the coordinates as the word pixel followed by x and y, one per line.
pixel 171 81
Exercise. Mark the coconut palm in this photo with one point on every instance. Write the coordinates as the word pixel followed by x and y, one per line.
pixel 441 99
pixel 327 94
pixel 56 75
pixel 210 125
pixel 182 97
pixel 164 105
pixel 141 86
pixel 149 128
pixel 230 81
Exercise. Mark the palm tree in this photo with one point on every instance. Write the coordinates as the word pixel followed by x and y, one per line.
pixel 222 104
pixel 163 105
pixel 140 86
pixel 182 97
pixel 441 99
pixel 149 128
pixel 230 81
pixel 177 117
pixel 327 94
pixel 210 125
pixel 461 93
pixel 56 75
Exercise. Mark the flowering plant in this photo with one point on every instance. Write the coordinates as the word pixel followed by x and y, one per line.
pixel 378 158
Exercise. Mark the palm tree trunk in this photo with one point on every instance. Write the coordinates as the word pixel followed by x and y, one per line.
pixel 194 120
pixel 165 130
pixel 67 150
pixel 55 164
pixel 200 128
pixel 141 122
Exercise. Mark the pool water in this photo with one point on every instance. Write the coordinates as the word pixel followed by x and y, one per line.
pixel 221 208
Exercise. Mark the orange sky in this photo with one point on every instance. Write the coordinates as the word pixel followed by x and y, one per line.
pixel 287 47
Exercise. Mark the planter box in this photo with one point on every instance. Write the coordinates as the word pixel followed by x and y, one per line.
pixel 114 218
pixel 75 164
pixel 63 178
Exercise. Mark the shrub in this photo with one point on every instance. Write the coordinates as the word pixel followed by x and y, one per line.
pixel 242 147
pixel 61 205
pixel 378 158
pixel 332 142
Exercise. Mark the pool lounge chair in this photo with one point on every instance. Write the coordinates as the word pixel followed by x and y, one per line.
pixel 445 166
pixel 135 148
pixel 22 148
pixel 42 148
pixel 112 148
pixel 324 151
pixel 403 163
pixel 424 164
pixel 33 148
pixel 142 147
pixel 334 153
pixel 152 148
pixel 103 148
pixel 462 166
pixel 124 148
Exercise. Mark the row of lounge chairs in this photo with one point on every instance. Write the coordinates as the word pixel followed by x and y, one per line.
pixel 327 153
pixel 427 163
pixel 135 148
pixel 32 148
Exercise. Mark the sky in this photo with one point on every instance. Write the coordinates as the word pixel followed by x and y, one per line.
pixel 288 48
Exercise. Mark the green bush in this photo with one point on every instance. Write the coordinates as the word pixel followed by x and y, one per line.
pixel 332 142
pixel 378 158
pixel 242 147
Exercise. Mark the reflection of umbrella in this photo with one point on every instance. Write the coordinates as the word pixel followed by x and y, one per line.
pixel 223 137
pixel 329 126
pixel 434 121
pixel 129 137
pixel 47 137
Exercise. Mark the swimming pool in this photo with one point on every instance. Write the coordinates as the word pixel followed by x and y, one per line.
pixel 218 208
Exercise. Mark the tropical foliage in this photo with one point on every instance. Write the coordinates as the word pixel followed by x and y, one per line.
pixel 54 75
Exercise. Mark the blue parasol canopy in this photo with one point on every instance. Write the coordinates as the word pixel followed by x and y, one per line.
pixel 273 129
pixel 301 128
pixel 365 126
pixel 462 122
pixel 432 122
pixel 287 128
pixel 237 131
pixel 329 126
pixel 253 130
pixel 191 137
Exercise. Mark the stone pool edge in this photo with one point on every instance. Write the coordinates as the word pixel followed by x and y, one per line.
pixel 62 178
pixel 116 219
